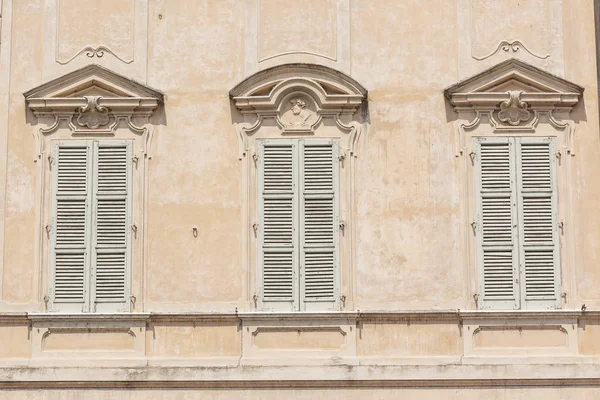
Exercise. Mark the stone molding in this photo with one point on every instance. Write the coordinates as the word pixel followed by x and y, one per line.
pixel 342 376
pixel 400 315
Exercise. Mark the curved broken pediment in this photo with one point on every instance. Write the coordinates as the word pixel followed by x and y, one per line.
pixel 298 96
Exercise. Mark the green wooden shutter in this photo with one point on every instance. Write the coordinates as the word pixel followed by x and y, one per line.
pixel 71 193
pixel 538 225
pixel 111 255
pixel 319 225
pixel 496 223
pixel 278 199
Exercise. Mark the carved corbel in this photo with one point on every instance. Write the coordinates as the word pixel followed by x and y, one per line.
pixel 243 130
pixel 354 129
pixel 568 126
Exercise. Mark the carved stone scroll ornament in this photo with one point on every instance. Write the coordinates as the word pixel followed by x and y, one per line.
pixel 514 111
pixel 92 52
pixel 92 114
pixel 510 46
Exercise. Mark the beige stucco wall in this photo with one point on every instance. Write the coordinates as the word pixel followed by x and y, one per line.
pixel 411 255
pixel 377 394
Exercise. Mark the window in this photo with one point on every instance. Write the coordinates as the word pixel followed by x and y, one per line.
pixel 299 224
pixel 516 226
pixel 91 228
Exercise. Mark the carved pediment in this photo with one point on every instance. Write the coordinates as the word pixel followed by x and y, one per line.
pixel 92 100
pixel 298 95
pixel 514 81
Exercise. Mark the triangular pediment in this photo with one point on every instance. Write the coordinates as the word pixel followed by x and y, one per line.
pixel 93 80
pixel 492 85
pixel 514 74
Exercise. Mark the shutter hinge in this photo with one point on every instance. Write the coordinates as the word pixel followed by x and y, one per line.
pixel 135 160
pixel 255 158
pixel 255 228
pixel 46 301
pixel 342 226
pixel 134 230
pixel 474 226
pixel 48 230
pixel 472 157
pixel 561 226
pixel 476 298
pixel 50 161
pixel 341 159
pixel 255 298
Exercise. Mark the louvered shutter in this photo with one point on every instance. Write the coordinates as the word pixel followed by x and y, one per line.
pixel 71 196
pixel 319 225
pixel 111 226
pixel 538 225
pixel 496 223
pixel 278 199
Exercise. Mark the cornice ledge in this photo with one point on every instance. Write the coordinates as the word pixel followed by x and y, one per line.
pixel 527 314
pixel 433 315
pixel 70 105
pixel 88 317
pixel 492 100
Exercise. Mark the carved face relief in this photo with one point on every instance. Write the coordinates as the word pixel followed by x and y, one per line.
pixel 299 114
pixel 92 114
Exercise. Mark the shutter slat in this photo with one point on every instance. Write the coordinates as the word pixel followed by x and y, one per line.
pixel 319 275
pixel 69 278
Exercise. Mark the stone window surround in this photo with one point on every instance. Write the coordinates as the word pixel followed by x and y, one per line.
pixel 331 104
pixel 515 99
pixel 91 103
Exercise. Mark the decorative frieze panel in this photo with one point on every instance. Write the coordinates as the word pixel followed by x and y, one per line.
pixel 113 33
pixel 285 31
pixel 491 31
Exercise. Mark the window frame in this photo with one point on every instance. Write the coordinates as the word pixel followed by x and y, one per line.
pixel 561 206
pixel 90 305
pixel 299 303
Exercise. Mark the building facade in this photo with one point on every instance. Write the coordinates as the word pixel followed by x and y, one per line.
pixel 261 199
